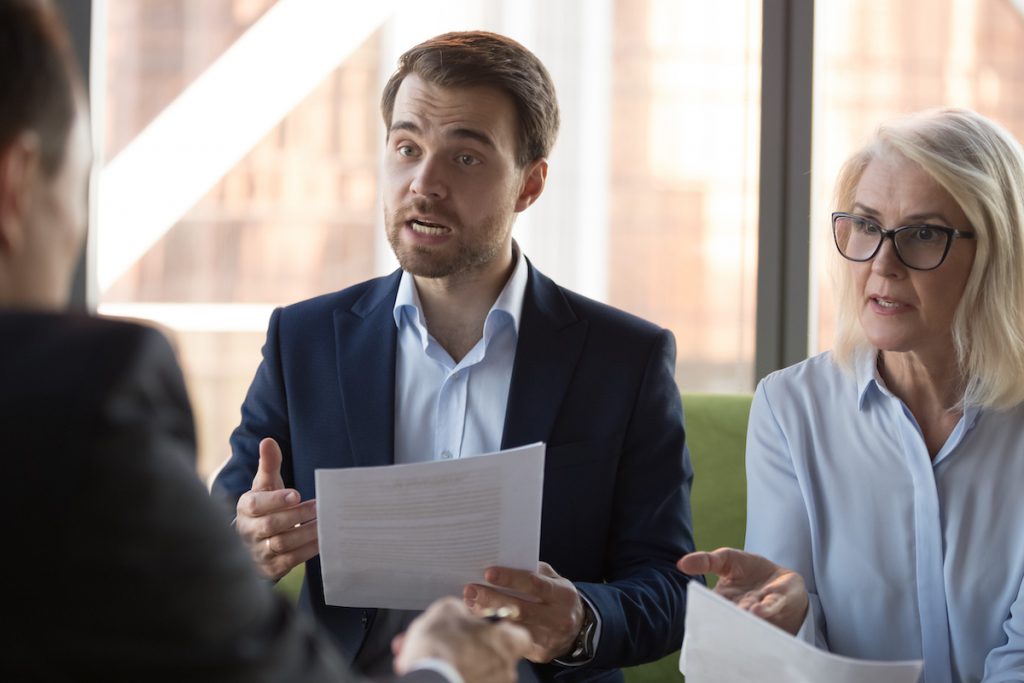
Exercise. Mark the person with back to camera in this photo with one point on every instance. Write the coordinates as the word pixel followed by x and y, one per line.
pixel 118 565
pixel 885 518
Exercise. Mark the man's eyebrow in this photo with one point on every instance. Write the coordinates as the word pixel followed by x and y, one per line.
pixel 470 134
pixel 459 133
pixel 404 125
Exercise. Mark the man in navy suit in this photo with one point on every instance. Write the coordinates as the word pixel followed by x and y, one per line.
pixel 468 349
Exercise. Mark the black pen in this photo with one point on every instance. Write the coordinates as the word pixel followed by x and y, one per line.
pixel 495 615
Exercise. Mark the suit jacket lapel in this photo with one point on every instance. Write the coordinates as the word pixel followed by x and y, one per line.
pixel 550 342
pixel 366 339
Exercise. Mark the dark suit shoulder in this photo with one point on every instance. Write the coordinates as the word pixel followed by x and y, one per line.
pixel 105 483
pixel 607 321
pixel 68 338
pixel 604 314
pixel 362 296
pixel 65 364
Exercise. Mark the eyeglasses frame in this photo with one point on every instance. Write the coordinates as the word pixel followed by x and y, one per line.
pixel 951 235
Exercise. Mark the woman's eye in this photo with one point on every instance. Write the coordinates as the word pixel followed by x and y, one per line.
pixel 867 227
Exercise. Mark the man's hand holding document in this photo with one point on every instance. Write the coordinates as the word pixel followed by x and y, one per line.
pixel 402 536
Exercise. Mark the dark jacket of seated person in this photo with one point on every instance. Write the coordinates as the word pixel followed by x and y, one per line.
pixel 120 566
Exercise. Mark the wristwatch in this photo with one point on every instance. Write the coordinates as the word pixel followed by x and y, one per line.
pixel 583 647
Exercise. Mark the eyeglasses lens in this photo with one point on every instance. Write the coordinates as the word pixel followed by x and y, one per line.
pixel 918 246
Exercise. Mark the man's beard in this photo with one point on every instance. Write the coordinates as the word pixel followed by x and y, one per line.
pixel 469 255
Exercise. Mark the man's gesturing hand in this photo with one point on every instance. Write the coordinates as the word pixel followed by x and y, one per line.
pixel 279 529
pixel 551 611
pixel 755 583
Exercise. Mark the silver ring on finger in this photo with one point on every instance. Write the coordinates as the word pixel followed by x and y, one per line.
pixel 270 548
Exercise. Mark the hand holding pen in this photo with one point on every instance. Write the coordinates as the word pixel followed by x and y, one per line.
pixel 480 649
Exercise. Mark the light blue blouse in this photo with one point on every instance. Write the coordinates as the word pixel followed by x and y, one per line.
pixel 904 557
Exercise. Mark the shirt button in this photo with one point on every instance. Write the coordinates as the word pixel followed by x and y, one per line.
pixel 446 455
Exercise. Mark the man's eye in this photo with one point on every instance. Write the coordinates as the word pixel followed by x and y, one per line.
pixel 466 160
pixel 406 150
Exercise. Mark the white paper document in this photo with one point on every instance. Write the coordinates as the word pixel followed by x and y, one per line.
pixel 725 644
pixel 401 536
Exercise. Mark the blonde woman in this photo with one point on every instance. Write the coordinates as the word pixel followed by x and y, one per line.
pixel 886 477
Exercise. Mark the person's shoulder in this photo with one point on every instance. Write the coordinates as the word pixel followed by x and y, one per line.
pixel 811 385
pixel 364 295
pixel 67 329
pixel 601 315
pixel 817 367
pixel 606 314
pixel 818 371
pixel 67 375
pixel 75 347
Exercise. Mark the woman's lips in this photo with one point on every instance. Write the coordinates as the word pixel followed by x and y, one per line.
pixel 886 306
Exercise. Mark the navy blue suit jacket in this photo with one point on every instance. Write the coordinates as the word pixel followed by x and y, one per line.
pixel 596 384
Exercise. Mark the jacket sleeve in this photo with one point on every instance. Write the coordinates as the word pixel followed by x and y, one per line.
pixel 264 414
pixel 642 604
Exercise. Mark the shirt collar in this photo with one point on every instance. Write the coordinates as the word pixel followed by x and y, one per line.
pixel 870 383
pixel 509 301
pixel 865 370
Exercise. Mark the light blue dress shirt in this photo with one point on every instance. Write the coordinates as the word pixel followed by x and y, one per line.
pixel 444 409
pixel 905 557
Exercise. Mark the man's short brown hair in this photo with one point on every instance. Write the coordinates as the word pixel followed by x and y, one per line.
pixel 479 58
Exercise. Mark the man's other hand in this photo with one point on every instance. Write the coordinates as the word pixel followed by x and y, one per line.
pixel 278 528
pixel 551 608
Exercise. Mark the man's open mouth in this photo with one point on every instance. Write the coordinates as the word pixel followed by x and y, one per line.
pixel 425 228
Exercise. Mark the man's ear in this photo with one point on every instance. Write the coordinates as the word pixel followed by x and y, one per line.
pixel 534 176
pixel 19 163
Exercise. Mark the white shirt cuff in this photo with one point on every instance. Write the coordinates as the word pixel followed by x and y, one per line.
pixel 807 632
pixel 597 635
pixel 440 666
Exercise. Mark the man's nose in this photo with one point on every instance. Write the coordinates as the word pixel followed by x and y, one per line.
pixel 429 180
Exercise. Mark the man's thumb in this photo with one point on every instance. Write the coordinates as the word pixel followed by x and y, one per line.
pixel 268 476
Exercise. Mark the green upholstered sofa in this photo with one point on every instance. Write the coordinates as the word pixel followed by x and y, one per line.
pixel 716 431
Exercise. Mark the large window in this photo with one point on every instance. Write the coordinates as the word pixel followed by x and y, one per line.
pixel 682 191
pixel 876 59
pixel 241 142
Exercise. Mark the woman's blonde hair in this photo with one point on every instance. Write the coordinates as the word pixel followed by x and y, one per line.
pixel 982 166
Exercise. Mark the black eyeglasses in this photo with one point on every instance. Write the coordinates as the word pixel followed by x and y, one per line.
pixel 921 247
